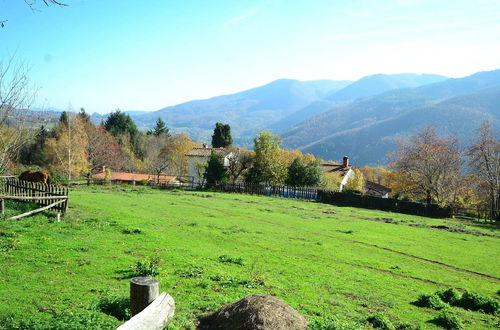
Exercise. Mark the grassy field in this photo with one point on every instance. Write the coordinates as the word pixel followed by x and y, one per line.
pixel 327 262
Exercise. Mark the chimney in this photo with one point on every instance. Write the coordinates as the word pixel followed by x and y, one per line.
pixel 345 161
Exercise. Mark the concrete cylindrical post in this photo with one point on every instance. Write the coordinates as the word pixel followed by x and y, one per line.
pixel 143 290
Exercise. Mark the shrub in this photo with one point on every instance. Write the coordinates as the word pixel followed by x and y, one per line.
pixel 147 267
pixel 379 321
pixel 430 301
pixel 477 302
pixel 448 320
pixel 450 296
pixel 231 260
pixel 116 306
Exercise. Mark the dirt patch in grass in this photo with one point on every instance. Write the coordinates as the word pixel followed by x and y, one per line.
pixel 462 231
pixel 439 227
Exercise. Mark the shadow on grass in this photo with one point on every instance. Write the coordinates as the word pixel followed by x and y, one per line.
pixel 124 274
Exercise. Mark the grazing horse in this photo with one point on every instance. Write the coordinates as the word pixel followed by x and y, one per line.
pixel 35 176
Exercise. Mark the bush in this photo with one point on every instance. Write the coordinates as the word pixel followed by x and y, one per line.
pixel 147 267
pixel 450 296
pixel 430 301
pixel 477 302
pixel 448 320
pixel 116 306
pixel 379 321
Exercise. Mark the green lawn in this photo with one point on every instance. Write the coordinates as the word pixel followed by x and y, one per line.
pixel 324 261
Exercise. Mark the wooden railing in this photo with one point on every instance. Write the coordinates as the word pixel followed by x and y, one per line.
pixel 47 196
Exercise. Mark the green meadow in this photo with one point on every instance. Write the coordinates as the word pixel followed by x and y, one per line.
pixel 337 266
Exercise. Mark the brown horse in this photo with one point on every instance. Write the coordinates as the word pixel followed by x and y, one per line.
pixel 35 176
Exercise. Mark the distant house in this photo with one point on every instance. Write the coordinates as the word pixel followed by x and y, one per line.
pixel 198 157
pixel 126 177
pixel 344 171
pixel 377 190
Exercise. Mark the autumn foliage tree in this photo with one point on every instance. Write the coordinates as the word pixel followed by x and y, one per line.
pixel 175 149
pixel 270 165
pixel 103 150
pixel 484 162
pixel 428 167
pixel 67 152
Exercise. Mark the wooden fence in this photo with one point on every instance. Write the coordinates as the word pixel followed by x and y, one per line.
pixel 47 196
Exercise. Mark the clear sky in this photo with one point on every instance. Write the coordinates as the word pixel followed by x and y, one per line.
pixel 145 55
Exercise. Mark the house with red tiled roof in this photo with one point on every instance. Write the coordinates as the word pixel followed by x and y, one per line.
pixel 127 177
pixel 344 171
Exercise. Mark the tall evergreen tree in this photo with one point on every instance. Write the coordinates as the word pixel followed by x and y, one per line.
pixel 63 118
pixel 160 129
pixel 215 173
pixel 222 136
pixel 120 124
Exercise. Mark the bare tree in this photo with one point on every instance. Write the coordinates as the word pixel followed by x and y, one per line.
pixel 484 161
pixel 157 158
pixel 32 4
pixel 17 94
pixel 429 167
pixel 103 150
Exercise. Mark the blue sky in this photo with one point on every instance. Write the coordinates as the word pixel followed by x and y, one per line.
pixel 145 55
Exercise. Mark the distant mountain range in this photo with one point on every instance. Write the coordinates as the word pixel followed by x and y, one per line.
pixel 362 119
pixel 367 129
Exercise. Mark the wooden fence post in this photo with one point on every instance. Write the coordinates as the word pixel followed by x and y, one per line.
pixel 143 290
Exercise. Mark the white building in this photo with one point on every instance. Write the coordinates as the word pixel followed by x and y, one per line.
pixel 344 171
pixel 198 159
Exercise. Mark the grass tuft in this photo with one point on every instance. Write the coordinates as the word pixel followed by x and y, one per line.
pixel 230 260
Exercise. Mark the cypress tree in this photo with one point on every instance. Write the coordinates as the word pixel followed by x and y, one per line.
pixel 215 173
pixel 222 136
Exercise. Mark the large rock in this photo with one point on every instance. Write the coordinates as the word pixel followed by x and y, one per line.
pixel 258 311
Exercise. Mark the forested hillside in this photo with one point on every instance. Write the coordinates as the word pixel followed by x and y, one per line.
pixel 368 129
